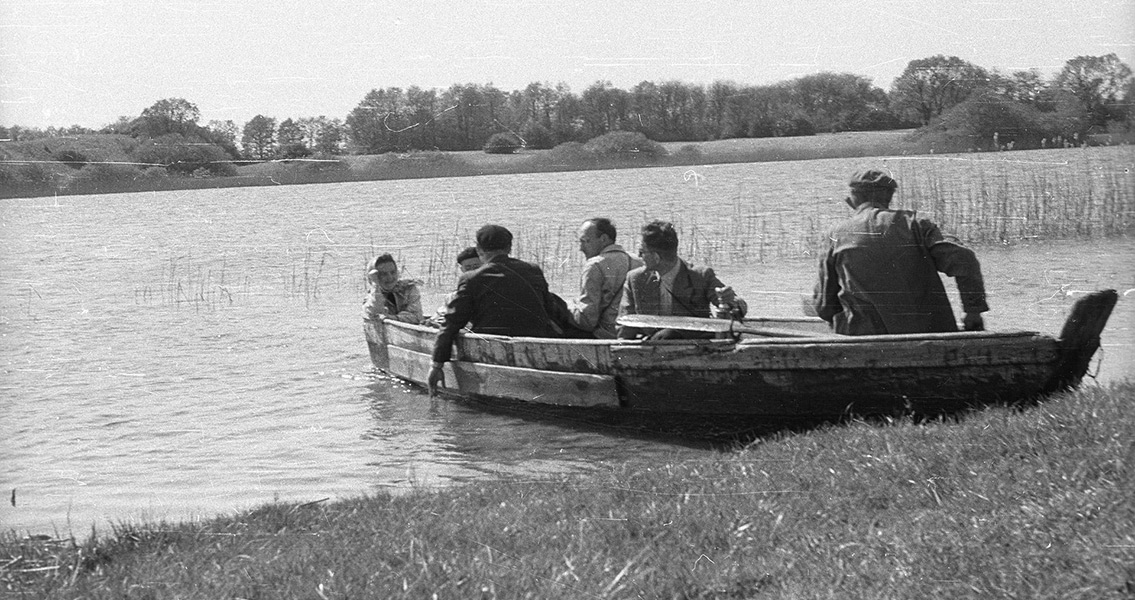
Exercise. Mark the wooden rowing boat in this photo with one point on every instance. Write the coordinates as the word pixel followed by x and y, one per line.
pixel 759 373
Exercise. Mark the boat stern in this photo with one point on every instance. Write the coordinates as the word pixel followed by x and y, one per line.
pixel 1080 338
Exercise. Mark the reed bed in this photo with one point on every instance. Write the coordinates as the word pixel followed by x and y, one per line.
pixel 1004 198
pixel 208 284
pixel 1077 194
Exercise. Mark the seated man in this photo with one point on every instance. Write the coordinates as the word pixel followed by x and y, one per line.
pixel 467 260
pixel 390 297
pixel 879 273
pixel 604 274
pixel 505 296
pixel 665 285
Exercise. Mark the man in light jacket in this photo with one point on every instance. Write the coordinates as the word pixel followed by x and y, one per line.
pixel 601 284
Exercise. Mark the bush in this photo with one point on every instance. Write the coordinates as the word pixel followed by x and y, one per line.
pixel 502 143
pixel 183 156
pixel 72 158
pixel 101 177
pixel 988 121
pixel 538 137
pixel 296 150
pixel 624 144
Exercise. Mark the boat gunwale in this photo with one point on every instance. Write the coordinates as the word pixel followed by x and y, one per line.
pixel 745 341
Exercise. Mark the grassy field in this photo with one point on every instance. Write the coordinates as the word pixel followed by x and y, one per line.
pixel 1006 502
pixel 450 164
pixel 87 164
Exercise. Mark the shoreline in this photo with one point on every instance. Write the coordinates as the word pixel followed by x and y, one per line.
pixel 1021 500
pixel 422 165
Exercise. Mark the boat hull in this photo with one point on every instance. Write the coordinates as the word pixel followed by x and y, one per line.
pixel 748 380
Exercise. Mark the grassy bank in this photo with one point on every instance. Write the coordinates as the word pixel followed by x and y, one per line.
pixel 99 163
pixel 1032 503
pixel 95 164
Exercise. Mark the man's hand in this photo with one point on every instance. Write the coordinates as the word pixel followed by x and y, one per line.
pixel 436 376
pixel 725 296
pixel 727 300
pixel 973 322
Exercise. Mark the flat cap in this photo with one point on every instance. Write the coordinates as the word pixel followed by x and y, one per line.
pixel 872 180
pixel 494 237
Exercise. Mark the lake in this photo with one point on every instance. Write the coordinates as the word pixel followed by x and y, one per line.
pixel 177 355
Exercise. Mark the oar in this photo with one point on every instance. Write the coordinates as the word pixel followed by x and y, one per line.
pixel 710 325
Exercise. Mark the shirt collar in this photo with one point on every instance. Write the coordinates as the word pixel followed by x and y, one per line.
pixel 669 276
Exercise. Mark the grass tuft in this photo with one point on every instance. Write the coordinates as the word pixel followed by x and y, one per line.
pixel 1006 502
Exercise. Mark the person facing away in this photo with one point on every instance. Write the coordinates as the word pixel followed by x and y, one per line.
pixel 504 296
pixel 389 296
pixel 601 284
pixel 467 260
pixel 666 285
pixel 879 273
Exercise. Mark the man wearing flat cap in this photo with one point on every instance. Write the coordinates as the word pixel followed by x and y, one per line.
pixel 879 273
pixel 504 296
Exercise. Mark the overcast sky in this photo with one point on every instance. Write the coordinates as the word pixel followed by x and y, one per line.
pixel 88 62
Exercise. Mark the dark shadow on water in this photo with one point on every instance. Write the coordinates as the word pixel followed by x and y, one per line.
pixel 528 425
pixel 469 425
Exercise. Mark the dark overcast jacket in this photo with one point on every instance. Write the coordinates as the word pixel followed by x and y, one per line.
pixel 505 296
pixel 879 274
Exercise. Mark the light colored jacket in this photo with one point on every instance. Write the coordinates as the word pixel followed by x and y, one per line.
pixel 601 291
pixel 403 303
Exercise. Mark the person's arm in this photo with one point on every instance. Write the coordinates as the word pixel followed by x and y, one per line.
pixel 588 307
pixel 627 306
pixel 825 297
pixel 725 302
pixel 374 306
pixel 961 263
pixel 457 313
pixel 412 311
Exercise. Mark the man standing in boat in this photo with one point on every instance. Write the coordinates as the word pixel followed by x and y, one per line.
pixel 389 296
pixel 604 274
pixel 665 285
pixel 505 296
pixel 879 272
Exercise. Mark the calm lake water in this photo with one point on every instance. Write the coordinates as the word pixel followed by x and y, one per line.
pixel 181 354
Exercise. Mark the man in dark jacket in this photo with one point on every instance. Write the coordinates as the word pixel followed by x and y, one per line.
pixel 665 285
pixel 505 296
pixel 879 273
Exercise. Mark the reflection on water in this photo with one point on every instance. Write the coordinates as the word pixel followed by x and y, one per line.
pixel 182 354
pixel 467 443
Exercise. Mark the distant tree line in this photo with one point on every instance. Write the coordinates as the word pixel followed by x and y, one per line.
pixel 943 95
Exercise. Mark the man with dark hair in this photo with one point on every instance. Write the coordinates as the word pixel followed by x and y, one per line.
pixel 665 285
pixel 389 296
pixel 879 273
pixel 504 296
pixel 468 259
pixel 604 273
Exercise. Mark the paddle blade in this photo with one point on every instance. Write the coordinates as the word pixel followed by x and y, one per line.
pixel 683 323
